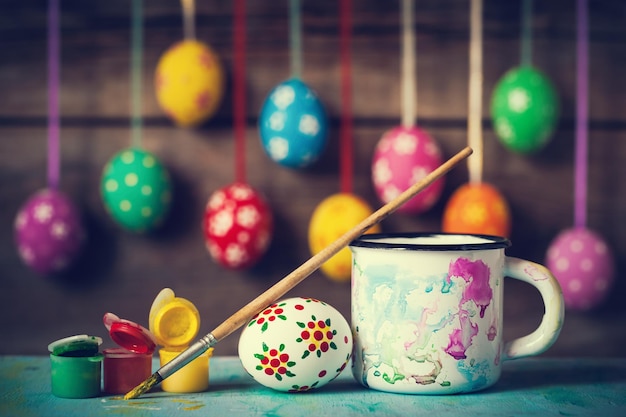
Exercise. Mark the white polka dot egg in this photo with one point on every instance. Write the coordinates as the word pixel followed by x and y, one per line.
pixel 136 190
pixel 403 156
pixel 238 226
pixel 48 232
pixel 583 264
pixel 295 345
pixel 293 125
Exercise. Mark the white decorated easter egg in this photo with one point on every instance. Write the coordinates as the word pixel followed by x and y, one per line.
pixel 297 344
pixel 48 232
pixel 238 226
pixel 293 125
pixel 402 157
pixel 583 264
pixel 136 190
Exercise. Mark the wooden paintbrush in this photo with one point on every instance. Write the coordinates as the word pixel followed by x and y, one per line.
pixel 290 281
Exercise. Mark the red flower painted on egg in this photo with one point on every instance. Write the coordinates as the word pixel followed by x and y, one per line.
pixel 275 362
pixel 319 336
pixel 270 314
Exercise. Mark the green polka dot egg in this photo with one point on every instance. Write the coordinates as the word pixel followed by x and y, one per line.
pixel 136 190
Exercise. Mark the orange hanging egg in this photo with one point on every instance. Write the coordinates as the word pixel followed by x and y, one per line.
pixel 479 209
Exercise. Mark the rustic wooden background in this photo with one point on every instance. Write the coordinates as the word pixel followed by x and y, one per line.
pixel 121 272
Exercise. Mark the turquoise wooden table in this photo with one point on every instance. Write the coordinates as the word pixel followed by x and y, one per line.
pixel 528 387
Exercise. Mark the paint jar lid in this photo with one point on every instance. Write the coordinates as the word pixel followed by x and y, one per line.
pixel 129 335
pixel 175 321
pixel 80 345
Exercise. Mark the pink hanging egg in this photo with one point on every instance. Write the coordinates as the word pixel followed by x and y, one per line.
pixel 583 264
pixel 402 157
pixel 237 226
pixel 48 232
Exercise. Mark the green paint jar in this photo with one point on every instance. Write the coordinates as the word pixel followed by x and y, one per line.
pixel 76 367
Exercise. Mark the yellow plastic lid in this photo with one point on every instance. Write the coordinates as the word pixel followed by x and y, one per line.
pixel 176 323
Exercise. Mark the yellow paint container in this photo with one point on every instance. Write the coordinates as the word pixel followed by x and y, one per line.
pixel 193 377
pixel 175 323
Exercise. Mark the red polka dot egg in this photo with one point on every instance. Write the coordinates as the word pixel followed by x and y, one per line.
pixel 404 156
pixel 295 345
pixel 237 225
pixel 48 232
pixel 583 264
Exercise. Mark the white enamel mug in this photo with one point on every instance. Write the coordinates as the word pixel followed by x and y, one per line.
pixel 427 311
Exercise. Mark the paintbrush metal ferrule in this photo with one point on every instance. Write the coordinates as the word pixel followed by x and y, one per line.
pixel 186 356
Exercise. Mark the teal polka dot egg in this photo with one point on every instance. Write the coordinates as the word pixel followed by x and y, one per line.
pixel 293 125
pixel 136 190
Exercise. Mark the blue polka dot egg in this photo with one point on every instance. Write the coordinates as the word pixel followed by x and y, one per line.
pixel 136 190
pixel 293 125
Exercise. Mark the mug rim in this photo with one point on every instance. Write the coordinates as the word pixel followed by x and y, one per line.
pixel 372 241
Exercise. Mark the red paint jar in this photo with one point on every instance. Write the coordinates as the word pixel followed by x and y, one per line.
pixel 124 370
pixel 126 367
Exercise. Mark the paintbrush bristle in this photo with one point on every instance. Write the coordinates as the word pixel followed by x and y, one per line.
pixel 144 387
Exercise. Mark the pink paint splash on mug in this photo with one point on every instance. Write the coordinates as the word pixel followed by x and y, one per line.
pixel 461 339
pixel 476 275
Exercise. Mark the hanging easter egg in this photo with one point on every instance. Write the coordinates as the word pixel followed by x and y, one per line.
pixel 136 190
pixel 404 156
pixel 479 209
pixel 189 82
pixel 583 264
pixel 48 232
pixel 237 225
pixel 524 109
pixel 331 219
pixel 296 345
pixel 293 125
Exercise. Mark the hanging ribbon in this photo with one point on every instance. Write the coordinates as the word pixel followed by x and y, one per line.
pixel 345 134
pixel 582 114
pixel 527 40
pixel 239 88
pixel 54 169
pixel 135 70
pixel 295 38
pixel 189 12
pixel 474 123
pixel 408 90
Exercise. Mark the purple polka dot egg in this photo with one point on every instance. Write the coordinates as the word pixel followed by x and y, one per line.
pixel 404 156
pixel 296 345
pixel 583 264
pixel 48 232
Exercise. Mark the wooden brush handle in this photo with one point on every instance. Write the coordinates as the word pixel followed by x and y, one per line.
pixel 299 274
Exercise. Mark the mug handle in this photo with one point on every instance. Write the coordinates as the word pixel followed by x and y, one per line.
pixel 546 334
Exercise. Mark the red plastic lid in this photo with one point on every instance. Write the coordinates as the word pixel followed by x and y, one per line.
pixel 129 335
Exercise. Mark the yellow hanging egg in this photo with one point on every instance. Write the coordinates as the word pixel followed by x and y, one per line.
pixel 333 217
pixel 189 82
pixel 477 209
